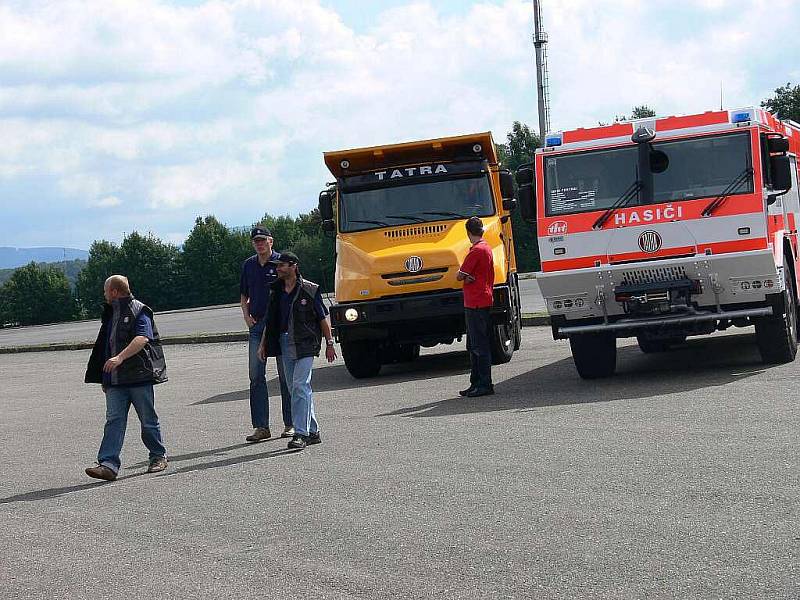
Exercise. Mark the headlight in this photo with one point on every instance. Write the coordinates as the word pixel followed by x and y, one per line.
pixel 351 314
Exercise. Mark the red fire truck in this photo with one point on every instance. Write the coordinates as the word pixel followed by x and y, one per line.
pixel 664 228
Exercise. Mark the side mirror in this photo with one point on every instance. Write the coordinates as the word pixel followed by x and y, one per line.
pixel 506 185
pixel 781 171
pixel 328 225
pixel 659 161
pixel 777 144
pixel 509 204
pixel 527 192
pixel 326 204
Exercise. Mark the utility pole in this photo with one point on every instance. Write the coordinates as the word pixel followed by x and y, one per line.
pixel 542 83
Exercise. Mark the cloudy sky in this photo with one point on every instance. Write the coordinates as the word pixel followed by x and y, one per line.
pixel 122 115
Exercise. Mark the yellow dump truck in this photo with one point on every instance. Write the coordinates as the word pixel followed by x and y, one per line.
pixel 398 212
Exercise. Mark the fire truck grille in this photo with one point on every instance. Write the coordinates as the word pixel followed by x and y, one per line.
pixel 415 231
pixel 653 275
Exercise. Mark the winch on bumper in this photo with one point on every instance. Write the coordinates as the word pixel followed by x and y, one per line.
pixel 691 294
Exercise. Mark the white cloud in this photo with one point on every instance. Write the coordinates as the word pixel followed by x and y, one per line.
pixel 226 107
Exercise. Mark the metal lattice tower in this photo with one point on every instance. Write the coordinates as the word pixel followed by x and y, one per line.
pixel 542 80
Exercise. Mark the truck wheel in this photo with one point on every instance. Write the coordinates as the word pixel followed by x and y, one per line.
pixel 649 346
pixel 361 359
pixel 595 354
pixel 408 352
pixel 502 343
pixel 776 335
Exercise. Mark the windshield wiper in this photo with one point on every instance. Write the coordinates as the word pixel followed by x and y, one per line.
pixel 732 187
pixel 626 197
pixel 410 217
pixel 381 223
pixel 444 213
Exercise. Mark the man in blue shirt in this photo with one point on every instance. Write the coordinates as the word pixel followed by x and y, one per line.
pixel 258 273
pixel 296 324
pixel 127 359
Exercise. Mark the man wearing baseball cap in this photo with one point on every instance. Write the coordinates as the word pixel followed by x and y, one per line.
pixel 296 323
pixel 258 273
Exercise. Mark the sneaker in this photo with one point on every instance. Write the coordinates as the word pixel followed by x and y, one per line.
pixel 287 432
pixel 313 438
pixel 259 435
pixel 476 392
pixel 157 464
pixel 101 472
pixel 466 391
pixel 296 443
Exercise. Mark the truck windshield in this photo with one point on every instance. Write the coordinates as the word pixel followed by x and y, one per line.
pixel 698 168
pixel 422 202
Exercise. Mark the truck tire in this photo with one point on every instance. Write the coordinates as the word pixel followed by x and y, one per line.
pixel 502 343
pixel 595 354
pixel 650 346
pixel 361 359
pixel 776 335
pixel 408 352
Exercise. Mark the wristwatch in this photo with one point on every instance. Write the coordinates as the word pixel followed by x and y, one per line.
pixel 329 342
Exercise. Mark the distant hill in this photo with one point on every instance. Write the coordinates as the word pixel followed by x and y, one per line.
pixel 71 269
pixel 11 258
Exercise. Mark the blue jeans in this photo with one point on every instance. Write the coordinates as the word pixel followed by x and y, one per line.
pixel 118 402
pixel 298 373
pixel 259 397
pixel 479 331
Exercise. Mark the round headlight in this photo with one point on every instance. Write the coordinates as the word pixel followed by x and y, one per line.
pixel 477 148
pixel 345 164
pixel 351 314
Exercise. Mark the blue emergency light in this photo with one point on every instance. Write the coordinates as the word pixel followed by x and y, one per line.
pixel 741 117
pixel 553 140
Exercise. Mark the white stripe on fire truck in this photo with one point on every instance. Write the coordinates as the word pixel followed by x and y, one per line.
pixel 674 234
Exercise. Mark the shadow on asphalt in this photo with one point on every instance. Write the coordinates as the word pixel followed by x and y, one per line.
pixel 225 462
pixel 56 492
pixel 191 455
pixel 696 365
pixel 336 377
pixel 226 397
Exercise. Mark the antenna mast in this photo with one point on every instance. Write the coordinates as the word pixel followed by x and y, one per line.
pixel 542 83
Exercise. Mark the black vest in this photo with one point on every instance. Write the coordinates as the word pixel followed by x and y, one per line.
pixel 304 329
pixel 147 366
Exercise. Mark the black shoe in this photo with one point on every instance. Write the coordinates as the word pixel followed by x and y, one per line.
pixel 466 391
pixel 474 393
pixel 296 443
pixel 313 438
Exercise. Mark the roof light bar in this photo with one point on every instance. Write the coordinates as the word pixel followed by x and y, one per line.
pixel 553 139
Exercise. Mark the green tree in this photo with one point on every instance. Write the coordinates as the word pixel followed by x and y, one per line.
pixel 152 268
pixel 211 260
pixel 35 295
pixel 102 261
pixel 642 112
pixel 285 230
pixel 519 149
pixel 785 103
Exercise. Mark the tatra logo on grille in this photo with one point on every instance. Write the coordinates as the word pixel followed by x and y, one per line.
pixel 650 241
pixel 413 264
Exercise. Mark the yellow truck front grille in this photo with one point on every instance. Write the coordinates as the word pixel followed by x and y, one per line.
pixel 418 230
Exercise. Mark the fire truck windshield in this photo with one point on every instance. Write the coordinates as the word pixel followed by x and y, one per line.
pixel 422 202
pixel 701 167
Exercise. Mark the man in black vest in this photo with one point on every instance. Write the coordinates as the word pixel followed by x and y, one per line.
pixel 296 322
pixel 127 360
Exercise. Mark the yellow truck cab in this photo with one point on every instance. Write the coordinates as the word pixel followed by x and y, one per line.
pixel 399 212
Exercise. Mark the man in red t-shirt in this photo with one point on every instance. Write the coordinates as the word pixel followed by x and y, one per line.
pixel 477 273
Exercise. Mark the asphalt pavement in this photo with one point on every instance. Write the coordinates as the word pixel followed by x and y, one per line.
pixel 678 478
pixel 202 322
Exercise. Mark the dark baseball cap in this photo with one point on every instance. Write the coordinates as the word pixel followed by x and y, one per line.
pixel 288 257
pixel 259 232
